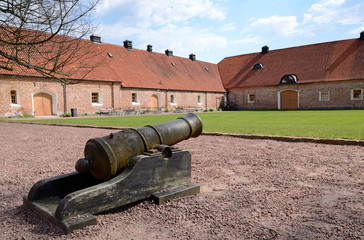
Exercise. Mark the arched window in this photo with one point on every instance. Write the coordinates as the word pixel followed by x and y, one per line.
pixel 13 97
pixel 288 79
pixel 258 66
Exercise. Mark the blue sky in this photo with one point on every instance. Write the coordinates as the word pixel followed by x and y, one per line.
pixel 215 29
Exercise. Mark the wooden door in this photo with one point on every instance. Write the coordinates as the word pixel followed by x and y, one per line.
pixel 42 104
pixel 289 100
pixel 154 101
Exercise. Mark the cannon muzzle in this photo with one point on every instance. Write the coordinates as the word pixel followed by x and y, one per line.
pixel 106 156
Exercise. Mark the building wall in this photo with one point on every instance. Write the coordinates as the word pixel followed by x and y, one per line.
pixel 79 96
pixel 340 96
pixel 183 99
pixel 25 89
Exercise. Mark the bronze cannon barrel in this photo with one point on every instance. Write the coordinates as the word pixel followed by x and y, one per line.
pixel 106 156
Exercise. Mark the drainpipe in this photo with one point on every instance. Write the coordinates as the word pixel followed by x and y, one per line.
pixel 167 99
pixel 65 98
pixel 112 97
pixel 206 100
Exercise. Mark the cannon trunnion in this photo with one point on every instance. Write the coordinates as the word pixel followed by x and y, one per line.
pixel 155 171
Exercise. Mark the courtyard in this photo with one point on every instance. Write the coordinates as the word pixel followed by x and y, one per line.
pixel 250 189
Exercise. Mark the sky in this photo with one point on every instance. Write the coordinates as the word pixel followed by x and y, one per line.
pixel 215 29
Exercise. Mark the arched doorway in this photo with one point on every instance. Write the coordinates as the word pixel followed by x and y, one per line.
pixel 42 104
pixel 154 103
pixel 289 100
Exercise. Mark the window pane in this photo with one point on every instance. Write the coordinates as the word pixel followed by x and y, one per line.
pixel 134 97
pixel 13 97
pixel 251 98
pixel 324 95
pixel 95 97
pixel 357 93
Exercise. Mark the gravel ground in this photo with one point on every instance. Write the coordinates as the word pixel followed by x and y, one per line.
pixel 250 189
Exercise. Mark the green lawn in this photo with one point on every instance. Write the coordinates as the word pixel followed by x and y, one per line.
pixel 326 123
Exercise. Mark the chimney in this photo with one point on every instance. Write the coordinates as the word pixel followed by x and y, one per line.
pixel 193 57
pixel 149 48
pixel 128 45
pixel 362 35
pixel 169 53
pixel 265 49
pixel 95 39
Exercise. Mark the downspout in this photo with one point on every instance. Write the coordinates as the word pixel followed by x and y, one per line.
pixel 205 100
pixel 167 99
pixel 65 98
pixel 112 97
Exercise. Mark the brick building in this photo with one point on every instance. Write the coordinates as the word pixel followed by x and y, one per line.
pixel 125 79
pixel 320 76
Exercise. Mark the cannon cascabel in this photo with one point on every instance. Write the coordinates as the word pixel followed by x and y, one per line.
pixel 106 156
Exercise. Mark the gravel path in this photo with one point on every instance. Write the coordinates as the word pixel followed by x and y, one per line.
pixel 250 189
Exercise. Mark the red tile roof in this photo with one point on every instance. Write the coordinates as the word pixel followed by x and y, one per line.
pixel 330 61
pixel 143 69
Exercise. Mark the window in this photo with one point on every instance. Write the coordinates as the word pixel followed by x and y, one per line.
pixel 258 66
pixel 324 95
pixel 251 98
pixel 13 97
pixel 95 97
pixel 135 99
pixel 357 94
pixel 173 100
pixel 287 79
pixel 199 100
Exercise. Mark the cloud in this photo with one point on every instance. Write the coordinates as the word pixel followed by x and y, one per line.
pixel 277 25
pixel 334 12
pixel 161 12
pixel 174 24
pixel 357 30
pixel 181 40
pixel 250 39
pixel 227 27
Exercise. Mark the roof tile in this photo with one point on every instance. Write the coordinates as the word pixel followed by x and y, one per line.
pixel 143 69
pixel 330 61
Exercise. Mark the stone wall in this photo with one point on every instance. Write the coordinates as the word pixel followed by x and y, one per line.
pixel 340 96
pixel 79 96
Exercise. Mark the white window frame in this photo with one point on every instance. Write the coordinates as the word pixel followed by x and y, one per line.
pixel 99 103
pixel 321 95
pixel 17 104
pixel 199 100
pixel 137 99
pixel 250 94
pixel 352 94
pixel 174 103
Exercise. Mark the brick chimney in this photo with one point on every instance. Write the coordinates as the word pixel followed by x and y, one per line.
pixel 149 48
pixel 95 39
pixel 193 57
pixel 265 49
pixel 169 53
pixel 128 45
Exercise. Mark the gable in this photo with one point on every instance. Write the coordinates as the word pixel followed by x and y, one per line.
pixel 331 61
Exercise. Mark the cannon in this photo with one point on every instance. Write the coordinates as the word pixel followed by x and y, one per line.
pixel 105 156
pixel 119 169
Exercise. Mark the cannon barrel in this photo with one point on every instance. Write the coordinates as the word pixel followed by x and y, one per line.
pixel 106 156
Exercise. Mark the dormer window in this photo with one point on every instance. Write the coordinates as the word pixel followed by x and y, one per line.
pixel 289 79
pixel 258 66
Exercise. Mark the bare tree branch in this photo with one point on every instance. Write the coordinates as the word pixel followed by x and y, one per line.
pixel 46 36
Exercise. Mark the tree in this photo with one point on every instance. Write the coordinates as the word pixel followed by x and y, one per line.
pixel 45 37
